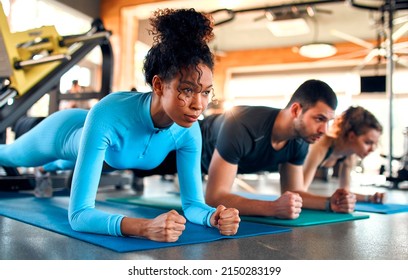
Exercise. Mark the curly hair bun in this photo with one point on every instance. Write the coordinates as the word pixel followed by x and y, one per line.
pixel 181 27
pixel 180 40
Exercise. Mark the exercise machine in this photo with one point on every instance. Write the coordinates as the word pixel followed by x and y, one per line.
pixel 32 63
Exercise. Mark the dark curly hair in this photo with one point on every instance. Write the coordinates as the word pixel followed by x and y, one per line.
pixel 180 41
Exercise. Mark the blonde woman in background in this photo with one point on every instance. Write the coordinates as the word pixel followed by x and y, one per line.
pixel 355 133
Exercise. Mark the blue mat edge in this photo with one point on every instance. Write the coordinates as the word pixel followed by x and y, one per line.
pixel 90 238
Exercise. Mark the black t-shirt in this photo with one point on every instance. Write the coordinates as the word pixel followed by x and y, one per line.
pixel 243 136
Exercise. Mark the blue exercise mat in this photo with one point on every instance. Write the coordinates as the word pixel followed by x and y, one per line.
pixel 52 214
pixel 386 208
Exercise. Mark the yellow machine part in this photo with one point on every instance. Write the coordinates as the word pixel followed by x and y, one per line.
pixel 22 46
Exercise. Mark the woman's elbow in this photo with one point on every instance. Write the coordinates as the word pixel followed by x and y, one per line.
pixel 75 221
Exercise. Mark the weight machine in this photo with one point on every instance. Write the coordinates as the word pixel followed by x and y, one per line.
pixel 32 63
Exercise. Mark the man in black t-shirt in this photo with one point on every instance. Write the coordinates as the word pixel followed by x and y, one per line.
pixel 242 136
pixel 252 139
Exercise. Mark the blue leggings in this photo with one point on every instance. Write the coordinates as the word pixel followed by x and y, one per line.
pixel 53 143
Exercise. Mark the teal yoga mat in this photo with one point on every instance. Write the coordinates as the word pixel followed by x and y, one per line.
pixel 52 214
pixel 306 218
pixel 161 202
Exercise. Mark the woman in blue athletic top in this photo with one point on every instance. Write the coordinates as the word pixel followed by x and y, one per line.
pixel 137 130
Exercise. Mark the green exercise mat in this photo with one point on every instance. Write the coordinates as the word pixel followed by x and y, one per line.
pixel 162 202
pixel 307 217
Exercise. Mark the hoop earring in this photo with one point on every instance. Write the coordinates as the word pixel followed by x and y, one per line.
pixel 214 99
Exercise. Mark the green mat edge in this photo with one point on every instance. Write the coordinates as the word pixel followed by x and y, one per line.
pixel 299 223
pixel 142 202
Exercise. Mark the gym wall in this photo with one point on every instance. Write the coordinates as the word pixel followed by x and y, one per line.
pixel 88 7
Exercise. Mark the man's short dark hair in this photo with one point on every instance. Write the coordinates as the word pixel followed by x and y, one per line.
pixel 311 92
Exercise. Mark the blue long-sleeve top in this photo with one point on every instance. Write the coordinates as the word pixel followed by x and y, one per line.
pixel 118 130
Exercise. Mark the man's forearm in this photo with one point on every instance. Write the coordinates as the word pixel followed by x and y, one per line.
pixel 244 205
pixel 313 201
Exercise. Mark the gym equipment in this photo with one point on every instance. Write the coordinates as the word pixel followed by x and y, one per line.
pixel 32 64
pixel 26 78
pixel 388 8
pixel 402 173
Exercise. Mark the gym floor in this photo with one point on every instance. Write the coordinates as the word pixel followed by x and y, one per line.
pixel 381 237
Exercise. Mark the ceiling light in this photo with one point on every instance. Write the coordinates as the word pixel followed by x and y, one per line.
pixel 270 15
pixel 317 50
pixel 288 27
